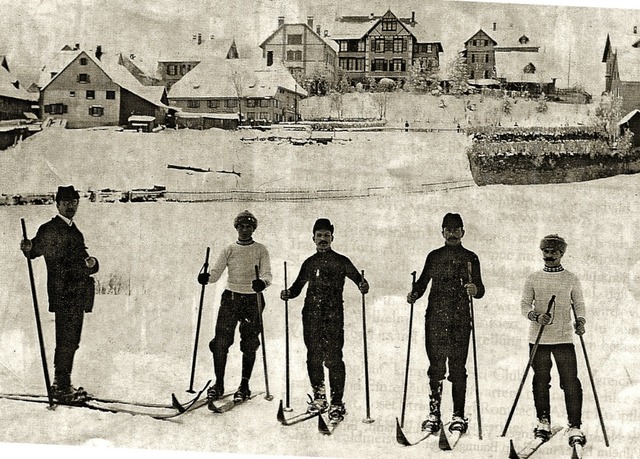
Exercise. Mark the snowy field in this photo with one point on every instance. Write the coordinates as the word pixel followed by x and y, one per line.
pixel 138 346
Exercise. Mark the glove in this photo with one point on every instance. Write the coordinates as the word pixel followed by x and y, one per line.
pixel 363 287
pixel 542 319
pixel 412 297
pixel 258 285
pixel 203 278
pixel 579 325
pixel 285 295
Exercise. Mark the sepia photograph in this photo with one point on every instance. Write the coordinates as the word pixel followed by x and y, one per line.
pixel 321 229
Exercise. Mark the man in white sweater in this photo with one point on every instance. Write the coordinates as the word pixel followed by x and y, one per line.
pixel 239 303
pixel 557 336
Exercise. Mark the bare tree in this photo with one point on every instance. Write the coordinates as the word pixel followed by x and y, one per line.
pixel 237 78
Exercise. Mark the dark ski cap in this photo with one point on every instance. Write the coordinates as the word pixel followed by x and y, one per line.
pixel 553 241
pixel 66 193
pixel 322 224
pixel 245 217
pixel 452 221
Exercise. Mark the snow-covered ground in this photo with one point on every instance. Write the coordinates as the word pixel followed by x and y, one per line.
pixel 139 346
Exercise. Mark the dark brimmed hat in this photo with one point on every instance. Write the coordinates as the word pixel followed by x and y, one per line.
pixel 452 221
pixel 245 217
pixel 67 193
pixel 553 241
pixel 322 224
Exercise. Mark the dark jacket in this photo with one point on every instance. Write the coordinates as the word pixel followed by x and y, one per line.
pixel 69 284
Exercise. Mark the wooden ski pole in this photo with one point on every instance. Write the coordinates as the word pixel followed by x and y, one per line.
pixel 526 371
pixel 268 395
pixel 286 345
pixel 475 355
pixel 406 373
pixel 593 385
pixel 368 419
pixel 204 269
pixel 43 354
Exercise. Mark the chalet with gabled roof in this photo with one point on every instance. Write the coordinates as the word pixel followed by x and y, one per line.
pixel 387 46
pixel 309 56
pixel 90 92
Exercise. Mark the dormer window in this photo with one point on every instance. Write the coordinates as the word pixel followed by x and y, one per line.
pixel 84 61
pixel 389 24
pixel 524 40
pixel 529 68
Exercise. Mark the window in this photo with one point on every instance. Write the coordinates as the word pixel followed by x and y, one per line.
pixel 172 69
pixel 264 102
pixel 429 48
pixel 399 65
pixel 72 93
pixel 389 24
pixel 91 94
pixel 486 58
pixel 231 103
pixel 399 45
pixel 96 110
pixel 378 45
pixel 193 103
pixel 294 55
pixel 264 115
pixel 111 95
pixel 276 103
pixel 294 39
pixel 83 78
pixel 388 44
pixel 55 109
pixel 251 115
pixel 379 65
pixel 213 103
pixel 344 46
pixel 83 61
pixel 251 102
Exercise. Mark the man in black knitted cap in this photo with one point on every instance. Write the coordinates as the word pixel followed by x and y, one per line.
pixel 323 317
pixel 448 319
pixel 69 286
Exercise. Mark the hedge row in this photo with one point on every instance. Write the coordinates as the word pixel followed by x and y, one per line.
pixel 527 134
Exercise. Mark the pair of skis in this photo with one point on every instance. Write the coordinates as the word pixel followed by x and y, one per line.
pixel 323 427
pixel 530 448
pixel 446 441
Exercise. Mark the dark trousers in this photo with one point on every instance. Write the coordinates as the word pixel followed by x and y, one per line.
pixel 448 346
pixel 565 357
pixel 324 338
pixel 68 332
pixel 236 308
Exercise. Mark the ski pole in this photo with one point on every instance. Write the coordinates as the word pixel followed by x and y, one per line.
pixel 43 354
pixel 475 355
pixel 286 344
pixel 526 371
pixel 204 269
pixel 593 385
pixel 368 419
pixel 406 373
pixel 268 396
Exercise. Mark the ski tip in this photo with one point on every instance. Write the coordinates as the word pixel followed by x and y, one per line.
pixel 400 436
pixel 512 451
pixel 176 404
pixel 280 415
pixel 322 426
pixel 443 441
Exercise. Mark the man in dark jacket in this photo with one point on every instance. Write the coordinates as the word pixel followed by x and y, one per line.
pixel 69 285
pixel 448 318
pixel 323 316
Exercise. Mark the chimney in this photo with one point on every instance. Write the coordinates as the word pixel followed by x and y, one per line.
pixel 635 29
pixel 77 47
pixel 318 31
pixel 495 26
pixel 413 17
pixel 280 21
pixel 326 33
pixel 199 38
pixel 371 16
pixel 310 21
pixel 98 52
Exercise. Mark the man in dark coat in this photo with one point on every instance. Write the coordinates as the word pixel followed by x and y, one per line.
pixel 448 318
pixel 69 285
pixel 323 316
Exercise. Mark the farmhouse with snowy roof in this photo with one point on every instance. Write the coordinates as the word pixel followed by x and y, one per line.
pixel 94 90
pixel 622 58
pixel 247 89
pixel 14 100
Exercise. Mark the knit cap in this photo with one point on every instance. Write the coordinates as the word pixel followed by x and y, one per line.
pixel 245 217
pixel 452 221
pixel 553 241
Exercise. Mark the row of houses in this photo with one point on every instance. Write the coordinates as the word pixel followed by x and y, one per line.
pixel 89 87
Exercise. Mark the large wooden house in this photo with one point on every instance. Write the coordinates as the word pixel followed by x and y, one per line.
pixel 90 91
pixel 246 89
pixel 622 58
pixel 309 56
pixel 15 101
pixel 387 46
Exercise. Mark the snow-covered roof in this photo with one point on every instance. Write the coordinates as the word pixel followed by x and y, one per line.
pixel 511 66
pixel 255 78
pixel 628 117
pixel 8 85
pixel 216 48
pixel 327 40
pixel 629 64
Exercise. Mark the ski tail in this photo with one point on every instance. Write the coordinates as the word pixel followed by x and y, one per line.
pixel 512 451
pixel 400 436
pixel 280 416
pixel 322 426
pixel 443 441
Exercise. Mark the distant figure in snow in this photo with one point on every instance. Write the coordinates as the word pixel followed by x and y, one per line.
pixel 557 336
pixel 239 303
pixel 448 319
pixel 70 288
pixel 323 317
pixel 406 126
